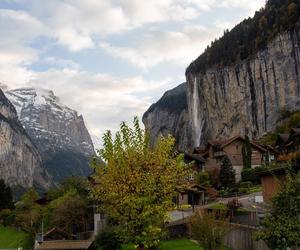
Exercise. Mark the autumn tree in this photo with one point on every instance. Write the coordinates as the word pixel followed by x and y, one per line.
pixel 281 228
pixel 136 184
pixel 227 174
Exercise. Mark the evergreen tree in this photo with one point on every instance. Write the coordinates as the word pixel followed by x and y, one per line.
pixel 247 152
pixel 227 174
pixel 5 195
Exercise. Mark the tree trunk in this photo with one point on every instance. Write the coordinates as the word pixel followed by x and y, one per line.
pixel 141 247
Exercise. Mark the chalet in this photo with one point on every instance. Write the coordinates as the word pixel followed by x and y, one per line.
pixel 271 181
pixel 232 148
pixel 193 195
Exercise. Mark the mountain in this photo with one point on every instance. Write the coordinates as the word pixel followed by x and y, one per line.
pixel 20 162
pixel 169 115
pixel 244 80
pixel 58 131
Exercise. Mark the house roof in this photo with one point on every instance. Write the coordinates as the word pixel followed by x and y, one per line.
pixel 64 244
pixel 224 143
pixel 294 132
pixel 195 157
pixel 283 137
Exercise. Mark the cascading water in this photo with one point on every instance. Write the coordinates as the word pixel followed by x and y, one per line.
pixel 196 115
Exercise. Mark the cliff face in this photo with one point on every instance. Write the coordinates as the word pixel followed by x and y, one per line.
pixel 169 115
pixel 20 162
pixel 222 102
pixel 59 133
pixel 247 96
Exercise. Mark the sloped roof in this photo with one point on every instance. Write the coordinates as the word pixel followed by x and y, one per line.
pixel 224 143
pixel 295 132
pixel 284 137
pixel 195 157
pixel 64 244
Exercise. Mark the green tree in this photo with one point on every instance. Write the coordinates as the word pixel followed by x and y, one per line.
pixel 227 174
pixel 281 229
pixel 207 231
pixel 247 152
pixel 5 196
pixel 29 213
pixel 203 179
pixel 69 210
pixel 136 185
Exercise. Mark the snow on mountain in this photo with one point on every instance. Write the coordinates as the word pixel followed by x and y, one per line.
pixel 58 131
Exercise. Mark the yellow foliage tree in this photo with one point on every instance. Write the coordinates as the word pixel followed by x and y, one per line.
pixel 136 184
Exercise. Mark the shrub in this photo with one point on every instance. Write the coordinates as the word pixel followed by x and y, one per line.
pixel 245 184
pixel 252 174
pixel 212 193
pixel 234 204
pixel 207 231
pixel 243 190
pixel 107 239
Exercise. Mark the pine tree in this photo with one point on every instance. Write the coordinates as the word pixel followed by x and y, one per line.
pixel 227 174
pixel 247 153
pixel 5 195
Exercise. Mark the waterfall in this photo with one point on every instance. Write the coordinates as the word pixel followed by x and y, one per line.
pixel 196 115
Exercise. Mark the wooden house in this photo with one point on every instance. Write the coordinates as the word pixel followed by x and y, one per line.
pixel 232 148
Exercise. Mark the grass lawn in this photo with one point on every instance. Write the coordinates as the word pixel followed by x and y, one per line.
pixel 219 205
pixel 10 238
pixel 255 189
pixel 180 244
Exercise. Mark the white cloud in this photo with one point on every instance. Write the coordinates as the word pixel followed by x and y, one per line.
pixel 169 47
pixel 104 100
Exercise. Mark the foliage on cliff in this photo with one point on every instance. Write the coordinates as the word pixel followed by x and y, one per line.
pixel 174 101
pixel 136 185
pixel 249 36
pixel 287 121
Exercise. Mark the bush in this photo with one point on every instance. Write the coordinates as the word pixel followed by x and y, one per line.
pixel 245 184
pixel 207 231
pixel 243 190
pixel 252 174
pixel 234 204
pixel 107 239
pixel 7 217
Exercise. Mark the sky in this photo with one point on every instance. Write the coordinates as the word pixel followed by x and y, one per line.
pixel 109 59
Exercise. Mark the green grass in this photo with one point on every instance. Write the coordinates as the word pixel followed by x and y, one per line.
pixel 219 205
pixel 179 244
pixel 10 238
pixel 255 189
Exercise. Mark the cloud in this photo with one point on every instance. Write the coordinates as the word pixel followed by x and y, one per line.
pixel 169 47
pixel 104 100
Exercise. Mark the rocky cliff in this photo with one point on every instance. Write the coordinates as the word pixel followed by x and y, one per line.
pixel 169 115
pixel 241 83
pixel 20 162
pixel 58 131
pixel 247 96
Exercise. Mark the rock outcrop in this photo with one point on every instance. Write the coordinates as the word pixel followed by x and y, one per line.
pixel 169 115
pixel 58 131
pixel 247 97
pixel 20 162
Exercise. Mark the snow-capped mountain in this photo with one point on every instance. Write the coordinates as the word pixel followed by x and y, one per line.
pixel 58 131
